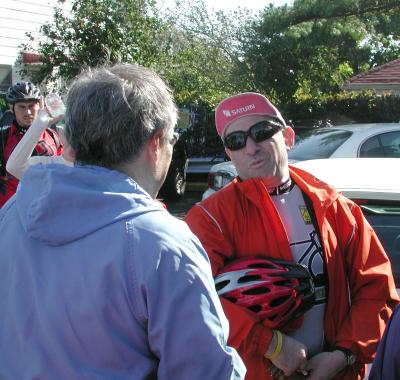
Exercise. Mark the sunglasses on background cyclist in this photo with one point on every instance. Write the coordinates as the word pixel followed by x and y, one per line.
pixel 258 132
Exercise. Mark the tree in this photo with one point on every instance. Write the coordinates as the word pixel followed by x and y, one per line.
pixel 203 51
pixel 194 50
pixel 309 48
pixel 95 32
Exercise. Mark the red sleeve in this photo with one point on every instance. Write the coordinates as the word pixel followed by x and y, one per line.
pixel 246 332
pixel 372 288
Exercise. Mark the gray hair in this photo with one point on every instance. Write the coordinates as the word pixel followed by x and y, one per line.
pixel 112 111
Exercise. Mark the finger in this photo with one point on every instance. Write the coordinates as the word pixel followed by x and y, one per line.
pixel 302 373
pixel 303 365
pixel 56 119
pixel 41 102
pixel 275 371
pixel 308 366
pixel 45 111
pixel 303 368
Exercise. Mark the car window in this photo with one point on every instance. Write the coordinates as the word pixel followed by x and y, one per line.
pixel 318 143
pixel 391 144
pixel 386 223
pixel 384 145
pixel 371 148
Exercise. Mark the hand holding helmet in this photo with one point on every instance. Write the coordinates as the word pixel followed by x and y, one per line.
pixel 278 292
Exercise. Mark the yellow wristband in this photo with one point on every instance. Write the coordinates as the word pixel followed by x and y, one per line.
pixel 278 347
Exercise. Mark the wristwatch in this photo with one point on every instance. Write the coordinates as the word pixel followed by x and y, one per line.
pixel 350 357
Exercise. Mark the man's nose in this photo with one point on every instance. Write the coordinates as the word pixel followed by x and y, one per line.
pixel 251 146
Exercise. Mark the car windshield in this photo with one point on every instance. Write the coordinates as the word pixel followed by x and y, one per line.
pixel 318 143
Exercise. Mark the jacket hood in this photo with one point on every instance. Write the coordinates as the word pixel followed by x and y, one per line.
pixel 58 204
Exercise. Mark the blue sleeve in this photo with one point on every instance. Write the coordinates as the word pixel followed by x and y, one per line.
pixel 187 329
pixel 386 365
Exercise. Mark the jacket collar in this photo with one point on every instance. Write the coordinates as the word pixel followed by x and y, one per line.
pixel 319 192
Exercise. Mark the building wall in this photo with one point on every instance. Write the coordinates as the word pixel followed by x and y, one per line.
pixel 17 17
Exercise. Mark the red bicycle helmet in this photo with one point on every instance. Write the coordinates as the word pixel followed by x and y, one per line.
pixel 277 291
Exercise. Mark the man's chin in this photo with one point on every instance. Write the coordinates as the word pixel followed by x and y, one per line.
pixel 25 124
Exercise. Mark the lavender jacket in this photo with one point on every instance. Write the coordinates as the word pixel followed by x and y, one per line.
pixel 99 281
pixel 386 365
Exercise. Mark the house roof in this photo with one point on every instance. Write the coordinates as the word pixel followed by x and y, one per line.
pixel 389 73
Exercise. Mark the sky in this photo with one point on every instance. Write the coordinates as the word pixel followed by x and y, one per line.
pixel 228 5
pixel 254 5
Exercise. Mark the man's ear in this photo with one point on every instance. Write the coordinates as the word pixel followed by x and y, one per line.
pixel 69 153
pixel 289 136
pixel 228 153
pixel 153 145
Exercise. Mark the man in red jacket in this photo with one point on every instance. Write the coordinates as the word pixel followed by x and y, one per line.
pixel 24 101
pixel 280 212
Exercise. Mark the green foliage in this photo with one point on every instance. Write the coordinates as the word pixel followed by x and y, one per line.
pixel 308 49
pixel 193 50
pixel 96 32
pixel 203 52
pixel 297 55
pixel 3 103
pixel 345 107
pixel 202 138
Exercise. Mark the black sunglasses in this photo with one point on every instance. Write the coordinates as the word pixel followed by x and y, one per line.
pixel 258 132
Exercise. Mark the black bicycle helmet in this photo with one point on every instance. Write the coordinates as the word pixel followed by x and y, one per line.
pixel 22 91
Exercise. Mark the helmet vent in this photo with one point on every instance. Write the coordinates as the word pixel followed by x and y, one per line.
pixel 261 265
pixel 249 278
pixel 233 300
pixel 259 290
pixel 284 283
pixel 255 308
pixel 279 301
pixel 221 285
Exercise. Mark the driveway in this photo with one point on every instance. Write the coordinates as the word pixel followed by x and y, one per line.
pixel 181 207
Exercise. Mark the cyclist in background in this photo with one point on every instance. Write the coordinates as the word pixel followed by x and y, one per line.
pixel 24 101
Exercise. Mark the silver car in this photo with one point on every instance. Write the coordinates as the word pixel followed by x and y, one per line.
pixel 355 140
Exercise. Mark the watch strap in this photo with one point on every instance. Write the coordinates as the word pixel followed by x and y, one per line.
pixel 349 355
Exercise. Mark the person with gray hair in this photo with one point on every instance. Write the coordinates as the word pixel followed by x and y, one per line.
pixel 100 281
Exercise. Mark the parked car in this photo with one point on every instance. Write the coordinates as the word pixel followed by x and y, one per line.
pixel 373 183
pixel 175 183
pixel 355 140
pixel 219 176
pixel 199 167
